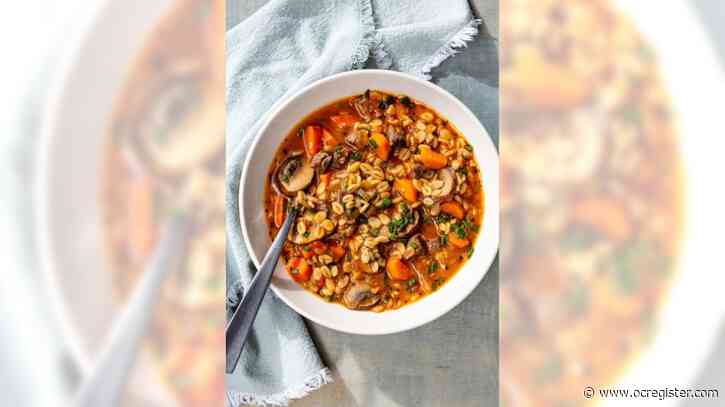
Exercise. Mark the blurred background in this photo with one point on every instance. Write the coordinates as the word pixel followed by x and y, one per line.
pixel 610 132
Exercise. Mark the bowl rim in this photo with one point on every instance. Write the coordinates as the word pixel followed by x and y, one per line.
pixel 491 206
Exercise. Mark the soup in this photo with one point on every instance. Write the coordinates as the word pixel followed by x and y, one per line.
pixel 590 199
pixel 167 133
pixel 390 196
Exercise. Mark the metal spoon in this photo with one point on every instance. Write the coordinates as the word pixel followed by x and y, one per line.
pixel 104 384
pixel 240 325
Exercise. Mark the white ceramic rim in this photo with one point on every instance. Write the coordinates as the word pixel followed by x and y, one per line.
pixel 85 35
pixel 694 308
pixel 485 249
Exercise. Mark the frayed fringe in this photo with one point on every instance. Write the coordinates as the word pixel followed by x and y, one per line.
pixel 382 58
pixel 369 39
pixel 459 40
pixel 313 383
pixel 371 42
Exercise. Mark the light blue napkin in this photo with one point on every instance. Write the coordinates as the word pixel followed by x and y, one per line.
pixel 283 47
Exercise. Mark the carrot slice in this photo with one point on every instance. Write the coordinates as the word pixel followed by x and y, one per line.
pixel 337 251
pixel 432 159
pixel 381 145
pixel 279 212
pixel 457 241
pixel 300 269
pixel 343 120
pixel 605 215
pixel 141 212
pixel 312 138
pixel 307 252
pixel 405 187
pixel 454 209
pixel 318 247
pixel 328 140
pixel 326 178
pixel 397 269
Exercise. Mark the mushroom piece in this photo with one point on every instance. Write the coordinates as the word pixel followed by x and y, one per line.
pixel 449 181
pixel 354 140
pixel 359 296
pixel 422 172
pixel 412 226
pixel 396 137
pixel 362 107
pixel 416 244
pixel 340 157
pixel 433 245
pixel 292 175
pixel 170 131
pixel 321 162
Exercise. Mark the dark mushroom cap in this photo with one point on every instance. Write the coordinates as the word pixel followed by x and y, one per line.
pixel 293 174
pixel 359 296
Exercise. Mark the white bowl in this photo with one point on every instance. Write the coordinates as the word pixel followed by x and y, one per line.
pixel 254 176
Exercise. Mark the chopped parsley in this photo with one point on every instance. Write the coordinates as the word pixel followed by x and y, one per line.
pixel 460 230
pixel 372 143
pixel 412 282
pixel 470 251
pixel 433 267
pixel 469 225
pixel 356 156
pixel 306 234
pixel 437 283
pixel 405 101
pixel 443 218
pixel 386 203
pixel 387 101
pixel 398 225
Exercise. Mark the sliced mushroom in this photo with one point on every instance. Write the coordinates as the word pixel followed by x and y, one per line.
pixel 449 181
pixel 359 296
pixel 340 157
pixel 396 137
pixel 355 140
pixel 422 277
pixel 416 244
pixel 321 162
pixel 362 106
pixel 172 131
pixel 433 245
pixel 293 174
pixel 412 226
pixel 423 172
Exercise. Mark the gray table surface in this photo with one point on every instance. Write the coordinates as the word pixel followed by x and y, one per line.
pixel 452 361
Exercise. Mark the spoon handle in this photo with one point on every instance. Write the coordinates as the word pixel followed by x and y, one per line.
pixel 240 325
pixel 103 385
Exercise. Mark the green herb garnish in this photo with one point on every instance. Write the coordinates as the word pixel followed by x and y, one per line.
pixel 433 267
pixel 356 156
pixel 443 240
pixel 372 143
pixel 412 282
pixel 460 230
pixel 386 203
pixel 405 101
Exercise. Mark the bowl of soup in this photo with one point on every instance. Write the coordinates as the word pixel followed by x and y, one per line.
pixel 396 182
